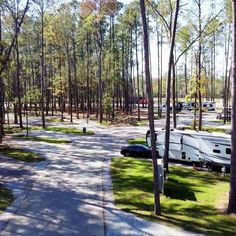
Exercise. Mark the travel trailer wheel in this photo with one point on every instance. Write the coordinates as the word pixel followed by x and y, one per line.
pixel 204 165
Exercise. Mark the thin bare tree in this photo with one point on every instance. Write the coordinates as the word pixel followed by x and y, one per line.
pixel 168 86
pixel 232 192
pixel 157 205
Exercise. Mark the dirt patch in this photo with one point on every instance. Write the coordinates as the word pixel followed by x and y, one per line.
pixel 123 119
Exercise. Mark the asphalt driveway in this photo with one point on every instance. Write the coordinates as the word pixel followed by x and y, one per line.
pixel 71 192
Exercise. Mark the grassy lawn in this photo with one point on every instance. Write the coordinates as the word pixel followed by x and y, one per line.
pixel 69 130
pixel 6 198
pixel 207 128
pixel 142 123
pixel 53 119
pixel 21 154
pixel 137 141
pixel 13 130
pixel 220 121
pixel 44 139
pixel 193 200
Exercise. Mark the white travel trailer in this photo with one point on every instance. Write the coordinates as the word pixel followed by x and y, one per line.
pixel 209 105
pixel 207 149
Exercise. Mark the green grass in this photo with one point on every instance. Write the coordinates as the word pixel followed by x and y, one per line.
pixel 207 128
pixel 192 199
pixel 53 119
pixel 44 139
pixel 137 141
pixel 13 130
pixel 141 123
pixel 220 121
pixel 6 198
pixel 69 130
pixel 21 155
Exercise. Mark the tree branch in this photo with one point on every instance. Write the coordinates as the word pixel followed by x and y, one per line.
pixel 7 54
pixel 199 36
pixel 159 14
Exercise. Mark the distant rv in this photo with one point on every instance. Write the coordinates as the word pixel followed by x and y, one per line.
pixel 206 149
pixel 209 105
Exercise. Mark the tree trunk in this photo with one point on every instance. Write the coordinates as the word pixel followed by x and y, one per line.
pixel 132 84
pixel 174 95
pixel 159 74
pixel 185 74
pixel 18 82
pixel 137 67
pixel 157 205
pixel 199 68
pixel 161 70
pixel 125 92
pixel 226 76
pixel 232 192
pixel 76 89
pixel 87 72
pixel 100 74
pixel 1 108
pixel 168 88
pixel 69 81
pixel 1 87
pixel 42 67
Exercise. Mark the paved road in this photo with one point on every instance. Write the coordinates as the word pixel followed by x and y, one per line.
pixel 70 194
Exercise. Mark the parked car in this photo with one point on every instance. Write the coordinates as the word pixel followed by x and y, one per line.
pixel 136 150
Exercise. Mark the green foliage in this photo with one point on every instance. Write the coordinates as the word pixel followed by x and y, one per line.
pixel 72 37
pixel 12 130
pixel 6 198
pixel 184 36
pixel 137 141
pixel 44 139
pixel 107 103
pixel 213 26
pixel 33 95
pixel 192 91
pixel 193 200
pixel 21 155
pixel 59 85
pixel 69 130
pixel 229 14
pixel 142 123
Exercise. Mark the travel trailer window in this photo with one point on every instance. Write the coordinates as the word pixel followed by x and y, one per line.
pixel 216 151
pixel 228 150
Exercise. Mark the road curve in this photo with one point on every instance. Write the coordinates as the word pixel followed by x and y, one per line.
pixel 71 193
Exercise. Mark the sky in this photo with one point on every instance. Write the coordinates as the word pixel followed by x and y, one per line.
pixel 125 1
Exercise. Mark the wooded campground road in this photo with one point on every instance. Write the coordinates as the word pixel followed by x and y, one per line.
pixel 71 193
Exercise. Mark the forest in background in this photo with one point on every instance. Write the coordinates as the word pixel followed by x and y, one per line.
pixel 87 57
